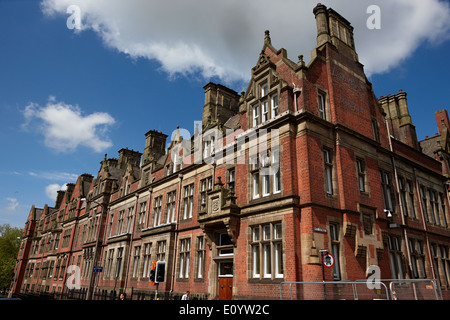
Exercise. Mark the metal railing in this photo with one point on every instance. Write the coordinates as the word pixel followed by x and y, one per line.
pixel 415 289
pixel 386 289
pixel 333 290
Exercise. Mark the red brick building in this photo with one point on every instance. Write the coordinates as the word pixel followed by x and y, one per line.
pixel 306 159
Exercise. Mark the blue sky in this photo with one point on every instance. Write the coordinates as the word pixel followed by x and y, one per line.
pixel 126 72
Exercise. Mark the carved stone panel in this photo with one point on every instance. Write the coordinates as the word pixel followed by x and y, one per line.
pixel 215 205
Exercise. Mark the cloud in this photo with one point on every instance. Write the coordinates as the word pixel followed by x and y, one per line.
pixel 54 175
pixel 12 205
pixel 65 128
pixel 223 38
pixel 52 190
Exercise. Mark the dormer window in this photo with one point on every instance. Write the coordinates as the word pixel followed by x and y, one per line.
pixel 255 115
pixel 176 163
pixel 265 109
pixel 321 105
pixel 125 187
pixel 264 90
pixel 168 169
pixel 274 105
pixel 213 141
pixel 208 147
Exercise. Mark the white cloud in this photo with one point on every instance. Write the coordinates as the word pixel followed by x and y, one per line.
pixel 223 38
pixel 65 128
pixel 52 190
pixel 54 175
pixel 12 205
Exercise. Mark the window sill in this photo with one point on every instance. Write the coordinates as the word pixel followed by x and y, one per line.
pixel 266 280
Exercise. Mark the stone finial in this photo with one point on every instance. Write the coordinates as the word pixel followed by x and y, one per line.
pixel 267 37
pixel 300 62
pixel 196 129
pixel 219 183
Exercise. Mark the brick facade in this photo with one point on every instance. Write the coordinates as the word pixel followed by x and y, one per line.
pixel 340 171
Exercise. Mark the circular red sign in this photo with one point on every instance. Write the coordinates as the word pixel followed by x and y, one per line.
pixel 328 260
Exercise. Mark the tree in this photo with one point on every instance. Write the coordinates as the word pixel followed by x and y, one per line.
pixel 9 248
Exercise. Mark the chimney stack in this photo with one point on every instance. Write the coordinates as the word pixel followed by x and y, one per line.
pixel 442 119
pixel 323 31
pixel 155 146
pixel 59 198
pixel 334 28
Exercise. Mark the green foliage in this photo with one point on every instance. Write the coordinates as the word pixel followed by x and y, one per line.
pixel 9 248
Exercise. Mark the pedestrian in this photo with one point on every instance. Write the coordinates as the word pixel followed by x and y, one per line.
pixel 186 296
pixel 123 296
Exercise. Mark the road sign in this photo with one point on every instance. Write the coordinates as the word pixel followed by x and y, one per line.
pixel 328 260
pixel 97 269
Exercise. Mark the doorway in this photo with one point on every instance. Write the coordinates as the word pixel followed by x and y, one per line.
pixel 225 280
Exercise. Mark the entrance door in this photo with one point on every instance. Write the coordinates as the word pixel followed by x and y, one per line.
pixel 226 280
pixel 225 288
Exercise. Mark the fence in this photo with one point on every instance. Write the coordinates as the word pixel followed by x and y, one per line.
pixel 114 294
pixel 331 290
pixel 415 289
pixel 393 289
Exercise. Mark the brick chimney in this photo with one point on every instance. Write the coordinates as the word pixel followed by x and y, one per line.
pixel 155 144
pixel 441 118
pixel 59 198
pixel 395 107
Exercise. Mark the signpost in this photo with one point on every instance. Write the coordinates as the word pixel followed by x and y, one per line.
pixel 328 262
pixel 96 270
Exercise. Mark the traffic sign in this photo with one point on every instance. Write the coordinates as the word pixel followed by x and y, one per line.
pixel 97 269
pixel 328 260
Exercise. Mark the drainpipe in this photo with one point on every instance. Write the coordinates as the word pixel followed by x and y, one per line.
pixel 70 251
pixel 176 233
pixel 97 254
pixel 405 235
pixel 150 190
pixel 127 274
pixel 424 225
